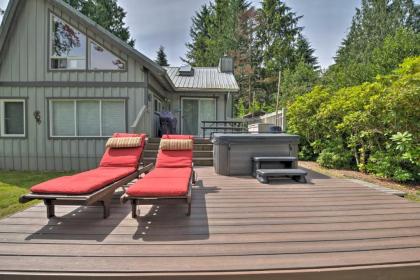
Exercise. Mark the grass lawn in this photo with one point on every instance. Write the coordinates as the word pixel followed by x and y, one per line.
pixel 13 184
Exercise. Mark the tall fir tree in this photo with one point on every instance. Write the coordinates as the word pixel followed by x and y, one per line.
pixel 214 31
pixel 161 57
pixel 200 35
pixel 262 42
pixel 373 22
pixel 305 53
pixel 276 37
pixel 106 13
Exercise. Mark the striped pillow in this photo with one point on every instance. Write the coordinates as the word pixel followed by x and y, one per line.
pixel 123 142
pixel 176 144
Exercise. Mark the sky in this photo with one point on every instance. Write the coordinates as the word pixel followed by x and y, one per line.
pixel 167 22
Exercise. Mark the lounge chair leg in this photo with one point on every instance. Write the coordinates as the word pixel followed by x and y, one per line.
pixel 194 177
pixel 106 204
pixel 189 209
pixel 134 209
pixel 50 208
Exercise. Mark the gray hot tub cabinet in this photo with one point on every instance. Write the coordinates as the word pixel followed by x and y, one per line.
pixel 232 153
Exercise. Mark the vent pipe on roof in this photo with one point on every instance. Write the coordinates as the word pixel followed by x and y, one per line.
pixel 226 64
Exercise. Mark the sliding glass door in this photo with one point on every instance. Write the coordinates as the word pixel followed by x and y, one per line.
pixel 195 110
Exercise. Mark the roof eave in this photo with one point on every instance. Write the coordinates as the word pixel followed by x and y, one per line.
pixel 207 90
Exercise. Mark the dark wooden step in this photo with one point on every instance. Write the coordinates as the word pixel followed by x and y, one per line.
pixel 264 175
pixel 274 159
pixel 280 172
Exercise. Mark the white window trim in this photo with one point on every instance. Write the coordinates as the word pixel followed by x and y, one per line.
pixel 75 100
pixel 2 118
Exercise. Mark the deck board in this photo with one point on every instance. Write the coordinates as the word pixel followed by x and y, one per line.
pixel 238 228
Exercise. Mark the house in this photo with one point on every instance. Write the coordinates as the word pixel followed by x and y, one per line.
pixel 66 84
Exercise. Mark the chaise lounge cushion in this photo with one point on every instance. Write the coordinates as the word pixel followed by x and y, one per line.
pixel 174 159
pixel 160 187
pixel 83 183
pixel 184 172
pixel 123 157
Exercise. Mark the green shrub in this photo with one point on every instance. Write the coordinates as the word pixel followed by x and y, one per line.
pixel 376 124
pixel 386 165
pixel 400 161
pixel 335 158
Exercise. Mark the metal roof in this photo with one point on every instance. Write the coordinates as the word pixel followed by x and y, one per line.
pixel 204 78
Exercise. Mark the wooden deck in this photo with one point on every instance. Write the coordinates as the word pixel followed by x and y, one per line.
pixel 239 229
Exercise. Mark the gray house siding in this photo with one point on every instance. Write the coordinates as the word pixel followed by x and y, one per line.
pixel 24 74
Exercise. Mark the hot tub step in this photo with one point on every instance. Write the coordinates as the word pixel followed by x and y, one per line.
pixel 274 159
pixel 264 175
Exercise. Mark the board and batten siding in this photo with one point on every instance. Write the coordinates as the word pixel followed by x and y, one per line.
pixel 24 74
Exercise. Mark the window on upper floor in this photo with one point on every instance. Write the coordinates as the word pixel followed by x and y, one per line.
pixel 12 118
pixel 101 59
pixel 86 117
pixel 72 50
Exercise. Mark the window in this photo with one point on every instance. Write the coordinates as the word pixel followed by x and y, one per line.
pixel 68 49
pixel 12 116
pixel 101 59
pixel 158 105
pixel 86 117
pixel 72 50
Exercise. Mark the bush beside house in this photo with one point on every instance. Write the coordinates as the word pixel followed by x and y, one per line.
pixel 373 127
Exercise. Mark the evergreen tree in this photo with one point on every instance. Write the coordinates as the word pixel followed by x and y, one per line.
pixel 298 81
pixel 106 13
pixel 372 23
pixel 305 53
pixel 214 31
pixel 161 58
pixel 245 58
pixel 276 37
pixel 199 32
pixel 262 42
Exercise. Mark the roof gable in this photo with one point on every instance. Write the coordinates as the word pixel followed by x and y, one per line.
pixel 15 5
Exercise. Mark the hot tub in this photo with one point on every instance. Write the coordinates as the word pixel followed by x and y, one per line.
pixel 232 153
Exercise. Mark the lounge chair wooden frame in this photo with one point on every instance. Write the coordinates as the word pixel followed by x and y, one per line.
pixel 138 200
pixel 101 197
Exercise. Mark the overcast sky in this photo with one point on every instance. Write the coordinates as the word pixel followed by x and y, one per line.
pixel 166 22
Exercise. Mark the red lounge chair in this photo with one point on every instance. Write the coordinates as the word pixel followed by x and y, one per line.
pixel 170 182
pixel 118 167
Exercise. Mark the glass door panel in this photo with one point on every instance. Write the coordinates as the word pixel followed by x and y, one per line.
pixel 207 112
pixel 195 110
pixel 190 116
